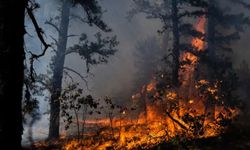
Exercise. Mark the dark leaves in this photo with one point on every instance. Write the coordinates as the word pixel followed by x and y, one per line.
pixel 72 100
pixel 94 13
pixel 95 52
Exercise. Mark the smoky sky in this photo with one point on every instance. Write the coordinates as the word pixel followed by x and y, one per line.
pixel 119 74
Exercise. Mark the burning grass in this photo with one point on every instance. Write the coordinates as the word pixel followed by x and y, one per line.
pixel 194 110
pixel 159 123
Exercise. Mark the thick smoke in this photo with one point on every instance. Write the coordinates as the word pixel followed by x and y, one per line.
pixel 119 76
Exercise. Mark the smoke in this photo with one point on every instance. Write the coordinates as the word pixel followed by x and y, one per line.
pixel 240 47
pixel 118 77
pixel 112 79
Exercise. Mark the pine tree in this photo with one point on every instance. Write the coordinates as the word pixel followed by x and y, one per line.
pixel 223 29
pixel 103 48
pixel 172 14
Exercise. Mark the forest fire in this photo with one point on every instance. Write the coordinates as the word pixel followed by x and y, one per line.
pixel 178 113
pixel 125 75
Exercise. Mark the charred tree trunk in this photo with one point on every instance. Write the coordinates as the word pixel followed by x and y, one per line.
pixel 176 42
pixel 145 100
pixel 211 28
pixel 58 72
pixel 11 75
pixel 210 105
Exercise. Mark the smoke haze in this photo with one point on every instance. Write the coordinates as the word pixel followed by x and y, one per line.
pixel 119 75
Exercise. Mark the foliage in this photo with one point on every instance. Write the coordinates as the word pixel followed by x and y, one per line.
pixel 95 52
pixel 73 101
pixel 94 13
pixel 30 104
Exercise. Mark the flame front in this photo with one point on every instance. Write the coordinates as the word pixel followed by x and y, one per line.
pixel 179 112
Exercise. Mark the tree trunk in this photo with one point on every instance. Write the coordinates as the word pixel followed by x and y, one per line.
pixel 176 42
pixel 11 75
pixel 210 105
pixel 58 72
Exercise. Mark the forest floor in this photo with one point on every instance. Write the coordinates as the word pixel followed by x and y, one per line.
pixel 237 137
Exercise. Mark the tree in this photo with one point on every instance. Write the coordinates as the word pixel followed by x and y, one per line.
pixel 12 69
pixel 213 65
pixel 172 16
pixel 148 62
pixel 92 52
pixel 176 41
pixel 58 72
pixel 223 28
pixel 12 77
pixel 169 18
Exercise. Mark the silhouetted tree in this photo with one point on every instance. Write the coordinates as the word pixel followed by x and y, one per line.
pixel 11 74
pixel 223 28
pixel 172 14
pixel 92 52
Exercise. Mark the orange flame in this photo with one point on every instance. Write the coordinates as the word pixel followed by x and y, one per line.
pixel 155 125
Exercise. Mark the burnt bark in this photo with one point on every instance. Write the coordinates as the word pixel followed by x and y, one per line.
pixel 12 15
pixel 176 42
pixel 58 72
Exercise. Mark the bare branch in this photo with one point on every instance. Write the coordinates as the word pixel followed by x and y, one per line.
pixel 56 42
pixel 67 73
pixel 49 22
pixel 77 73
pixel 71 51
pixel 40 36
pixel 74 16
pixel 53 49
pixel 39 31
pixel 72 35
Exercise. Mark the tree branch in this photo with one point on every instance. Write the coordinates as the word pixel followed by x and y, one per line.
pixel 39 31
pixel 72 35
pixel 176 121
pixel 40 36
pixel 56 42
pixel 53 25
pixel 74 16
pixel 67 73
pixel 77 73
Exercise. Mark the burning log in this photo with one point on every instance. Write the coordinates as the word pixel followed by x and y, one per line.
pixel 176 121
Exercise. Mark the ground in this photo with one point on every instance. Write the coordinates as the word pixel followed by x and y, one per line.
pixel 237 137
